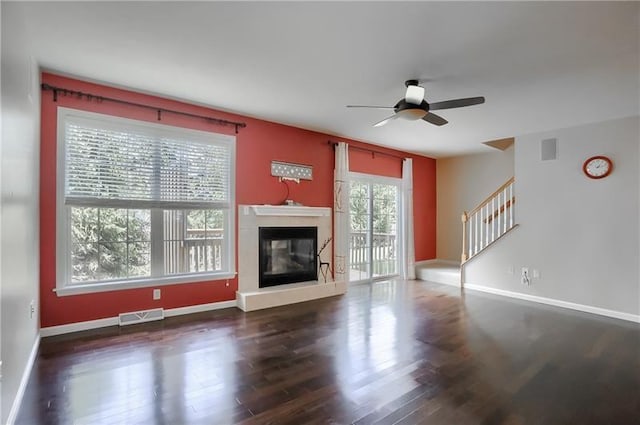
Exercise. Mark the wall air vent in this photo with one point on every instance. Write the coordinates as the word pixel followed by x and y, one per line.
pixel 549 149
pixel 134 317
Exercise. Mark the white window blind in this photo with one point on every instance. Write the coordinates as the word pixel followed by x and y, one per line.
pixel 119 162
pixel 141 204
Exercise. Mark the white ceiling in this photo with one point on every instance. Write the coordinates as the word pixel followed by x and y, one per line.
pixel 540 66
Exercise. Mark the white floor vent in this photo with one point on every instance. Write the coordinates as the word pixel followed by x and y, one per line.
pixel 133 317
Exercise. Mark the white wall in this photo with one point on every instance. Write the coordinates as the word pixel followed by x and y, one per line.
pixel 19 213
pixel 582 234
pixel 462 183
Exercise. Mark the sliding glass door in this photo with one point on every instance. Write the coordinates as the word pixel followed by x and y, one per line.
pixel 373 239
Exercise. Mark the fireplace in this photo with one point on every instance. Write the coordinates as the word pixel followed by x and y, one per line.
pixel 252 294
pixel 287 255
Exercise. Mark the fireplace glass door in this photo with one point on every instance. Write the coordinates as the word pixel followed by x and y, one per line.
pixel 287 255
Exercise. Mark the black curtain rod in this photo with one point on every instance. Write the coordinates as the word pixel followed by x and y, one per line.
pixel 372 151
pixel 89 96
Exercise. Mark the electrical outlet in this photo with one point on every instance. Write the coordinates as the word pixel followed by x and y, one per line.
pixel 536 274
pixel 524 277
pixel 510 270
pixel 156 294
pixel 32 309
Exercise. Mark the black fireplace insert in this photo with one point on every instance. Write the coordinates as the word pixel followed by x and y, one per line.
pixel 287 255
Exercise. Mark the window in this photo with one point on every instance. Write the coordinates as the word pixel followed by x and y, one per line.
pixel 141 204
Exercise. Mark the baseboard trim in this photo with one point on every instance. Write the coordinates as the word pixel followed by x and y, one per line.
pixel 200 308
pixel 17 402
pixel 113 321
pixel 556 303
pixel 78 327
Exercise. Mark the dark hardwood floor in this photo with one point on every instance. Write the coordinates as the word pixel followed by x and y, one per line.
pixel 387 353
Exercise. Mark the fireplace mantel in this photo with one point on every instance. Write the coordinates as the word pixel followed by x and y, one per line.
pixel 250 218
pixel 289 211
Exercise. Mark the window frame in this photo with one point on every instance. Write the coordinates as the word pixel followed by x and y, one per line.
pixel 63 217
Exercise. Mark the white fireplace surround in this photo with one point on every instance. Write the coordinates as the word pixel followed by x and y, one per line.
pixel 250 218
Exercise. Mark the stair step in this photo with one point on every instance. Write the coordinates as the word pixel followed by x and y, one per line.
pixel 439 271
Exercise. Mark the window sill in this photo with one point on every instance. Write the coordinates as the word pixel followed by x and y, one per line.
pixel 142 283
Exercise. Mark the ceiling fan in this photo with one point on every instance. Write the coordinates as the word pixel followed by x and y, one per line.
pixel 413 107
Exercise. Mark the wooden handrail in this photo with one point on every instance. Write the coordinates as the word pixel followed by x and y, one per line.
pixel 488 198
pixel 500 210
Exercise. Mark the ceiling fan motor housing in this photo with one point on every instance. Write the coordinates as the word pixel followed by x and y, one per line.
pixel 410 111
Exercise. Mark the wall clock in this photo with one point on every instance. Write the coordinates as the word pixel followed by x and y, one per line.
pixel 597 167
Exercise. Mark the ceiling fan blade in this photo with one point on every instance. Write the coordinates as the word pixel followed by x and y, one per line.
pixel 369 106
pixel 456 103
pixel 434 119
pixel 386 120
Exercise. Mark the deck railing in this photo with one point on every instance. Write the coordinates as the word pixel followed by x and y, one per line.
pixel 203 254
pixel 383 251
pixel 190 250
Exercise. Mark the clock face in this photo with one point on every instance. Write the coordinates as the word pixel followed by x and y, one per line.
pixel 597 167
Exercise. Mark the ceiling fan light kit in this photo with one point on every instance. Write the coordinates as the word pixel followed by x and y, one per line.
pixel 414 107
pixel 412 114
pixel 414 95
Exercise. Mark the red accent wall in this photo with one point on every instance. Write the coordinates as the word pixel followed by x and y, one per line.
pixel 256 146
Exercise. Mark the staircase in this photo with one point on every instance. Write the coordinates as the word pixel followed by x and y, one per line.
pixel 481 227
pixel 488 222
